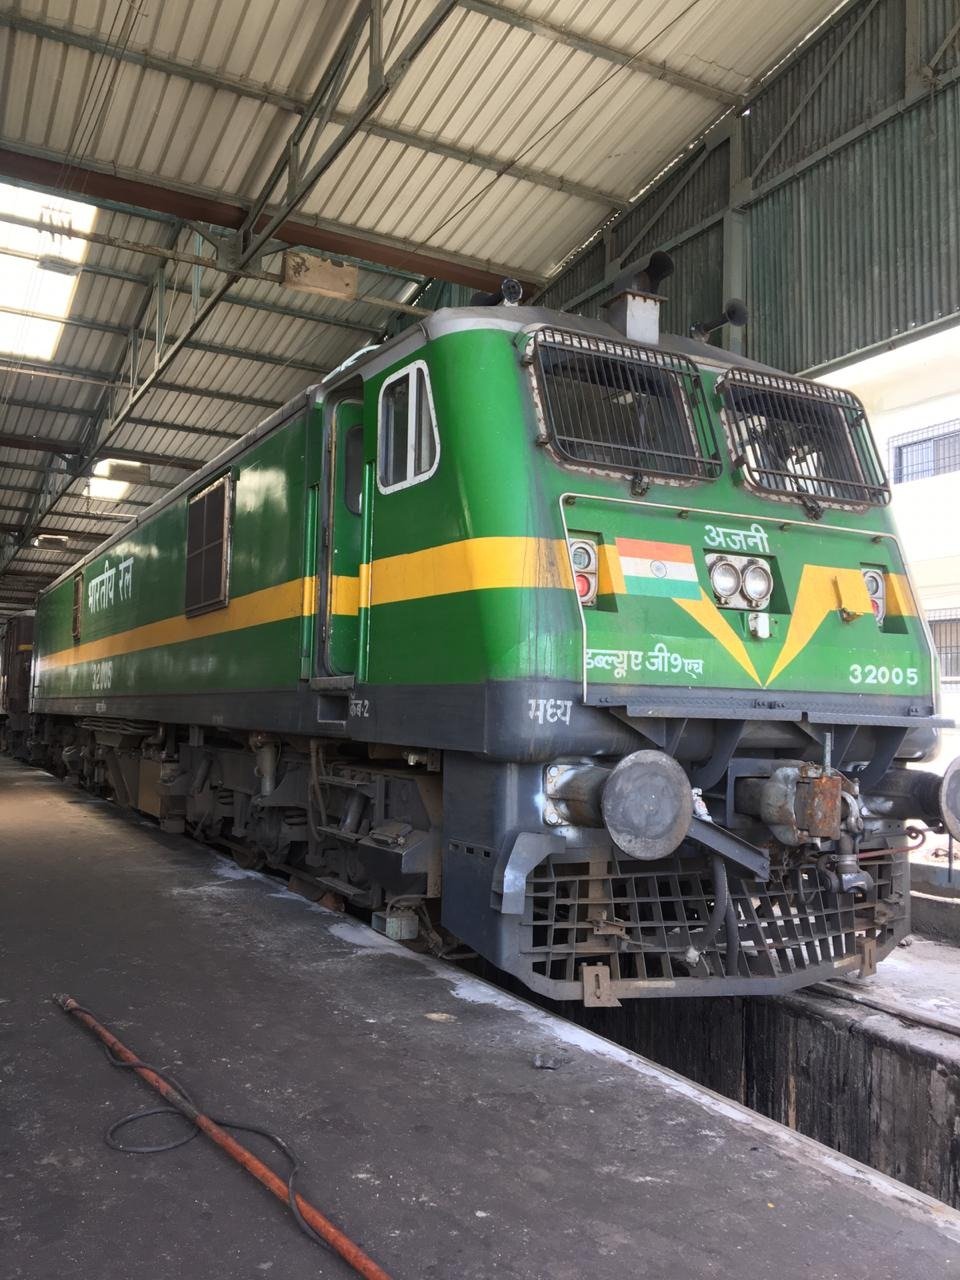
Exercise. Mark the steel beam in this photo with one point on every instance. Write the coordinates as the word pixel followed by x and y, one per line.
pixel 107 517
pixel 31 406
pixel 22 573
pixel 72 411
pixel 49 169
pixel 31 467
pixel 172 254
pixel 661 208
pixel 298 106
pixel 811 89
pixel 606 53
pixel 479 160
pixel 736 248
pixel 70 373
pixel 74 449
pixel 258 228
pixel 39 444
pixel 73 535
pixel 211 348
pixel 104 272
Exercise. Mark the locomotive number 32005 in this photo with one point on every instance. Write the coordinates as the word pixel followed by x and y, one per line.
pixel 869 673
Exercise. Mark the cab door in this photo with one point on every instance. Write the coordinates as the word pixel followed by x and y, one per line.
pixel 344 541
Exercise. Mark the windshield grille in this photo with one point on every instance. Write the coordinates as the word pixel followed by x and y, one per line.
pixel 623 406
pixel 802 440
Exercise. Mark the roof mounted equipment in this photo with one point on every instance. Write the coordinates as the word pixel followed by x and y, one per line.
pixel 509 294
pixel 634 307
pixel 735 313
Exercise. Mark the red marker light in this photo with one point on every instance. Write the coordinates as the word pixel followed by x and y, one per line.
pixel 584 585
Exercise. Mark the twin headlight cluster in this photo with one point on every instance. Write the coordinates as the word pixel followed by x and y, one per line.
pixel 740 582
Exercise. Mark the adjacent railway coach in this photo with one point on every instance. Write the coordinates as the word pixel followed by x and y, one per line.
pixel 16 651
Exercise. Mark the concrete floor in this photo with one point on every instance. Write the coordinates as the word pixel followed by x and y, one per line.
pixel 409 1087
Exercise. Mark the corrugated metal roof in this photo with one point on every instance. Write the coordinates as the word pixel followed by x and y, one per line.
pixel 512 136
pixel 482 85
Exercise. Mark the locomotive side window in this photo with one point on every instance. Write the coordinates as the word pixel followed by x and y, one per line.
pixel 208 548
pixel 622 406
pixel 408 446
pixel 77 607
pixel 799 439
pixel 353 469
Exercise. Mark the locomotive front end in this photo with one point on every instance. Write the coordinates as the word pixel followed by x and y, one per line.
pixel 746 616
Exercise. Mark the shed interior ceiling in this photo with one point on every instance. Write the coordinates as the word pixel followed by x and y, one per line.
pixel 515 131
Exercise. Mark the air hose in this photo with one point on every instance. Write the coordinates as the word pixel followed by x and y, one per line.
pixel 721 895
pixel 309 1219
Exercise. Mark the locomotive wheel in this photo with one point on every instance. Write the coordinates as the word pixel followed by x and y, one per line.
pixel 247 859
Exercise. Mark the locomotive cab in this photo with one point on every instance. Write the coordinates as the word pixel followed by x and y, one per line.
pixel 654 596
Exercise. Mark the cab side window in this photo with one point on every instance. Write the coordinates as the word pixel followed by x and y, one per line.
pixel 76 612
pixel 408 445
pixel 208 548
pixel 353 469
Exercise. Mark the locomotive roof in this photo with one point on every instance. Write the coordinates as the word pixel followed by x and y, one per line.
pixel 454 319
pixel 367 363
pixel 513 320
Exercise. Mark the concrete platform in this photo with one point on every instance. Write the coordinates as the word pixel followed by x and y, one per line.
pixel 410 1089
pixel 936 917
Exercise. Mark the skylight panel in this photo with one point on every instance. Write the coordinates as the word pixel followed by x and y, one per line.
pixel 45 279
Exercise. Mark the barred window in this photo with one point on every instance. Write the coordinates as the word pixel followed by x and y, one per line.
pixel 946 638
pixel 918 455
pixel 622 406
pixel 802 439
pixel 208 548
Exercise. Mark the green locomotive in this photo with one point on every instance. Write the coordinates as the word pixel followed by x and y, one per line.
pixel 593 649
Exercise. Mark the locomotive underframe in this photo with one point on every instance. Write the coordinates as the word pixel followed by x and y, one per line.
pixel 558 906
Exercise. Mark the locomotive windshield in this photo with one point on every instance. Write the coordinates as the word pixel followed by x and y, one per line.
pixel 621 406
pixel 802 439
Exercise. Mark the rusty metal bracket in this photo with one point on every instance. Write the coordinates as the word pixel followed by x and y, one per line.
pixel 604 927
pixel 867 951
pixel 597 989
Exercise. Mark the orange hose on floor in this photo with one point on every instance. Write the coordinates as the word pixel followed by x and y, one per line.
pixel 350 1252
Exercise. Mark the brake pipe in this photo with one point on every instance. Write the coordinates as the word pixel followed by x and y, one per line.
pixel 347 1249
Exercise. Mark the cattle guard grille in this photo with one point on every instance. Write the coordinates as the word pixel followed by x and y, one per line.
pixel 642 919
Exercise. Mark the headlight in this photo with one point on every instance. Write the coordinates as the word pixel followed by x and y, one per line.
pixel 584 559
pixel 757 582
pixel 873 580
pixel 724 578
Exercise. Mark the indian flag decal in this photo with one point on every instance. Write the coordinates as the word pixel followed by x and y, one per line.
pixel 658 569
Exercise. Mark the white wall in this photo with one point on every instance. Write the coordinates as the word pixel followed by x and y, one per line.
pixel 914 387
pixel 908 389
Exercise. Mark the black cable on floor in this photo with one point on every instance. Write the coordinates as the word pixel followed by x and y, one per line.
pixel 155 1148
